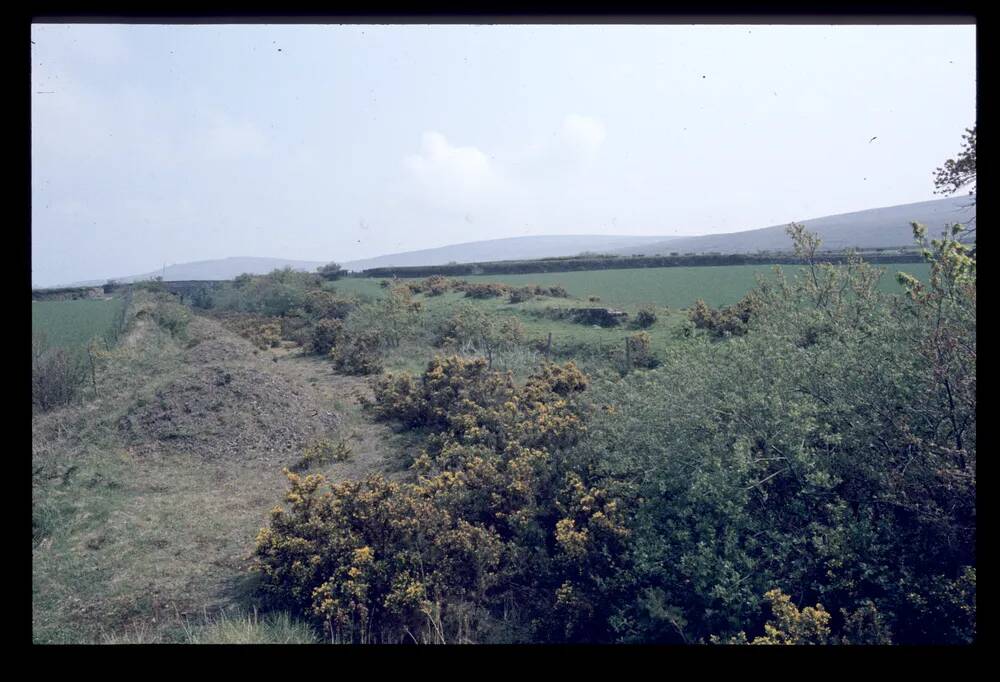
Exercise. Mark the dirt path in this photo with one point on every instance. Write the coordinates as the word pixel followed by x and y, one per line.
pixel 376 447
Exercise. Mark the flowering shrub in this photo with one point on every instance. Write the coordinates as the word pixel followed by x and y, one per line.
pixel 639 352
pixel 263 332
pixel 325 335
pixel 728 321
pixel 323 452
pixel 497 516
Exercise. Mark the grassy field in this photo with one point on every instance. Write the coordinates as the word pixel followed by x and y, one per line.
pixel 674 287
pixel 72 324
pixel 669 290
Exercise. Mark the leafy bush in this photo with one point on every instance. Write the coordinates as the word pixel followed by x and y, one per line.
pixel 320 304
pixel 838 469
pixel 474 330
pixel 173 317
pixel 273 295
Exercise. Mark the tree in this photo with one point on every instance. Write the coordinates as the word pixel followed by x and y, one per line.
pixel 330 271
pixel 961 171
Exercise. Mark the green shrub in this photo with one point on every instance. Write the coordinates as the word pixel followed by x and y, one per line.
pixel 646 317
pixel 331 271
pixel 173 317
pixel 840 470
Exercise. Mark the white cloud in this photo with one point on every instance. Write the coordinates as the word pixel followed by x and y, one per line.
pixel 466 178
pixel 452 176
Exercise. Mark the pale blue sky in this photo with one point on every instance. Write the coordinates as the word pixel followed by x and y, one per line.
pixel 154 145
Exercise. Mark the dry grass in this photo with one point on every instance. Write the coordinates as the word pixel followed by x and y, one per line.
pixel 135 538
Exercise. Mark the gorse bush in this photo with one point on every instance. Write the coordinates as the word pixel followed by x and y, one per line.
pixel 500 533
pixel 358 353
pixel 521 294
pixel 486 290
pixel 639 349
pixel 323 452
pixel 646 317
pixel 262 332
pixel 726 321
pixel 325 335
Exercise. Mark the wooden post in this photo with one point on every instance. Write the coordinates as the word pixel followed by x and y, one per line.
pixel 628 355
pixel 548 346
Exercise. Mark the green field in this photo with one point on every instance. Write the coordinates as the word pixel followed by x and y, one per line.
pixel 677 287
pixel 72 324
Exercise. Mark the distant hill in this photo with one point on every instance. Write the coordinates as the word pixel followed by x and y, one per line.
pixel 874 228
pixel 224 268
pixel 870 229
pixel 512 248
pixel 490 250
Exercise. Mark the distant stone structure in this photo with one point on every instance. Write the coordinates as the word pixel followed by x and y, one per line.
pixel 604 317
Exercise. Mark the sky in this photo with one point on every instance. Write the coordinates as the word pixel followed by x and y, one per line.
pixel 154 145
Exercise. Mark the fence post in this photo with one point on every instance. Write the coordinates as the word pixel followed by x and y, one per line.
pixel 548 346
pixel 628 355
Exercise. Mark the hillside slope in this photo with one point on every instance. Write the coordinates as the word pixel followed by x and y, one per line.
pixel 873 228
pixel 513 248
